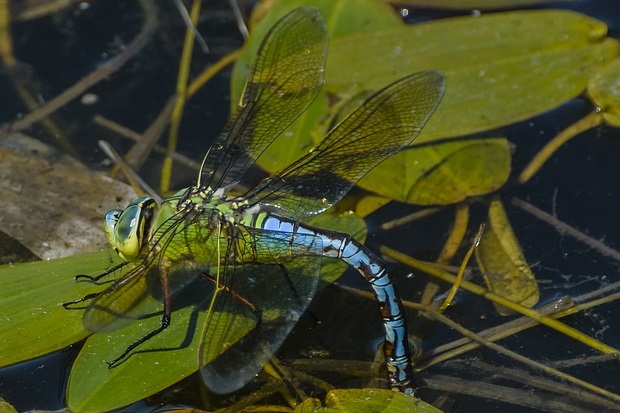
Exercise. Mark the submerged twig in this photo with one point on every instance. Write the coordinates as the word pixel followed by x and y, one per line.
pixel 562 227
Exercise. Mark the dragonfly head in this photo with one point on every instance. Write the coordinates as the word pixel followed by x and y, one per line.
pixel 129 229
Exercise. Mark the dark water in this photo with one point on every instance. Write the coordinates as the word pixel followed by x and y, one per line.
pixel 579 185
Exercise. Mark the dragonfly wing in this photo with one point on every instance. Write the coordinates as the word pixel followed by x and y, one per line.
pixel 286 77
pixel 120 304
pixel 384 124
pixel 266 300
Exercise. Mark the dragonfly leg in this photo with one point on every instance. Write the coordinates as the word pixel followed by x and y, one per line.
pixel 165 321
pixel 71 305
pixel 95 279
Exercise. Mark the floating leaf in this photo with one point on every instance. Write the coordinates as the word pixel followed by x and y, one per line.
pixel 604 90
pixel 445 172
pixel 155 365
pixel 522 72
pixel 500 68
pixel 369 204
pixel 37 324
pixel 342 17
pixel 502 263
pixel 474 4
pixel 5 407
pixel 366 401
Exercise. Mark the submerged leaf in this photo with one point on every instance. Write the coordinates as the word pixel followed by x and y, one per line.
pixel 604 90
pixel 502 263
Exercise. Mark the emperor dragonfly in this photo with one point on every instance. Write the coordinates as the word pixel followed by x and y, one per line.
pixel 252 245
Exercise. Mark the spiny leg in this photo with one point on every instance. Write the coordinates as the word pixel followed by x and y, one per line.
pixel 70 305
pixel 95 279
pixel 165 320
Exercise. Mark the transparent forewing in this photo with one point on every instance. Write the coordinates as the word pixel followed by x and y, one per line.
pixel 257 305
pixel 384 124
pixel 286 77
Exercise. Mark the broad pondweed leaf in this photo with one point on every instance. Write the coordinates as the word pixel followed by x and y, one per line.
pixel 297 137
pixel 157 364
pixel 473 4
pixel 369 204
pixel 500 68
pixel 37 323
pixel 365 401
pixel 502 263
pixel 446 172
pixel 6 407
pixel 604 90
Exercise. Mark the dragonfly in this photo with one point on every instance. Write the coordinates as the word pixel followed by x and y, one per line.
pixel 254 247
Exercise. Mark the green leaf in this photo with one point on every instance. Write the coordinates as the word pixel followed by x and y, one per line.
pixel 160 362
pixel 6 407
pixel 502 263
pixel 445 172
pixel 298 138
pixel 37 323
pixel 500 69
pixel 474 4
pixel 604 90
pixel 522 72
pixel 366 401
pixel 342 17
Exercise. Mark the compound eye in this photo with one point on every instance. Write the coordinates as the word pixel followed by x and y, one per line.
pixel 131 228
pixel 111 220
